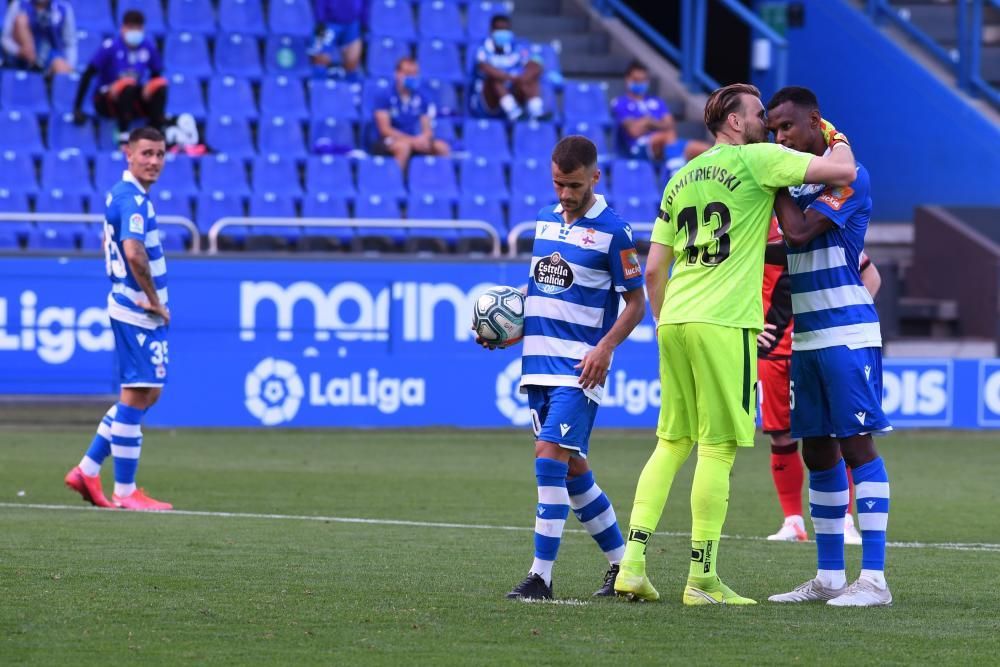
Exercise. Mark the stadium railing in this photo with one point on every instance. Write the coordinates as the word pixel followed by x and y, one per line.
pixel 362 223
pixel 528 225
pixel 76 218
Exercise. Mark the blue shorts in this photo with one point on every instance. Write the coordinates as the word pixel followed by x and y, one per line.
pixel 141 354
pixel 563 415
pixel 837 392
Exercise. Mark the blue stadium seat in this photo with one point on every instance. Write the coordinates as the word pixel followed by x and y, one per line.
pixel 445 98
pixel 273 205
pixel 549 57
pixel 17 173
pixel 586 101
pixel 187 53
pixel 218 204
pixel 391 18
pixel 87 43
pixel 534 139
pixel 15 233
pixel 277 174
pixel 531 177
pixel 151 9
pixel 486 137
pixel 379 207
pixel 380 176
pixel 238 55
pixel 221 172
pixel 291 17
pixel 64 135
pixel 242 16
pixel 54 200
pixel 277 134
pixel 444 129
pixel 482 207
pixel 67 171
pixel 231 96
pixel 636 209
pixel 478 15
pixel 331 136
pixel 632 178
pixel 94 15
pixel 23 91
pixel 481 175
pixel 185 96
pixel 525 208
pixel 64 94
pixel 191 16
pixel 225 134
pixel 329 98
pixel 330 175
pixel 431 175
pixel 384 53
pixel 283 96
pixel 178 176
pixel 440 20
pixel 592 131
pixel 166 202
pixel 108 169
pixel 426 206
pixel 287 54
pixel 373 87
pixel 324 205
pixel 174 238
pixel 54 236
pixel 440 60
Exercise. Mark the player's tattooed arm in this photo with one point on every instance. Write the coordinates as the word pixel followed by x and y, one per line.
pixel 138 262
pixel 797 227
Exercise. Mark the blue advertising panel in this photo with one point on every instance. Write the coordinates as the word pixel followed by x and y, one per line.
pixel 314 343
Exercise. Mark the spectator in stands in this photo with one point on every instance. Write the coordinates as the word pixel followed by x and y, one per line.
pixel 40 35
pixel 130 82
pixel 645 126
pixel 403 116
pixel 338 26
pixel 507 78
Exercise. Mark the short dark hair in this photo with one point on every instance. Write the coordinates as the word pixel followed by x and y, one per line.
pixel 724 101
pixel 636 65
pixel 148 133
pixel 573 152
pixel 797 95
pixel 133 17
pixel 497 18
pixel 405 59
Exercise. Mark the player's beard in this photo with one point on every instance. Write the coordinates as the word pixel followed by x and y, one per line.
pixel 755 133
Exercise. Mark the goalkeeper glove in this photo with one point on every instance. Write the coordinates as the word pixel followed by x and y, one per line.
pixel 831 135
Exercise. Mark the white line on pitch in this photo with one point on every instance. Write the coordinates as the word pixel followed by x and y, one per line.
pixel 947 546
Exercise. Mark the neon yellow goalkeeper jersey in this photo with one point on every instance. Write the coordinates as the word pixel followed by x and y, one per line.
pixel 715 214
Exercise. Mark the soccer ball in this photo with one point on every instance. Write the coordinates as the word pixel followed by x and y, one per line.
pixel 498 317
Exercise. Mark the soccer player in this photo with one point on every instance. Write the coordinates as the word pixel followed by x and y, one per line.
pixel 646 127
pixel 129 73
pixel 584 263
pixel 40 35
pixel 137 306
pixel 774 352
pixel 403 113
pixel 507 79
pixel 836 375
pixel 713 217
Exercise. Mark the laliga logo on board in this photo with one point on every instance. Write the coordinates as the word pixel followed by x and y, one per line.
pixel 274 391
pixel 511 403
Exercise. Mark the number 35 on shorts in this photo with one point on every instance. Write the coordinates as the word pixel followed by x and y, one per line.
pixel 159 352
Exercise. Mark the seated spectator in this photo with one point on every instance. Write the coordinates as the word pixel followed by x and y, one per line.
pixel 338 26
pixel 40 35
pixel 403 117
pixel 130 82
pixel 646 127
pixel 506 78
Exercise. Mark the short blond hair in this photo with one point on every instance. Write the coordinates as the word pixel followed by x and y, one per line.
pixel 724 101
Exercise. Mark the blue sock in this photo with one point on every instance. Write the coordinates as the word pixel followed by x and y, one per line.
pixel 100 446
pixel 550 515
pixel 593 509
pixel 871 489
pixel 126 445
pixel 828 500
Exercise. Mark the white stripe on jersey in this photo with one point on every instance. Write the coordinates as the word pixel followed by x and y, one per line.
pixel 547 380
pixel 547 346
pixel 582 275
pixel 157 266
pixel 866 334
pixel 116 311
pixel 557 309
pixel 579 235
pixel 152 238
pixel 816 260
pixel 834 297
pixel 135 296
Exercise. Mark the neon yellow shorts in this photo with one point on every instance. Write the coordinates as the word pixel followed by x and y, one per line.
pixel 708 380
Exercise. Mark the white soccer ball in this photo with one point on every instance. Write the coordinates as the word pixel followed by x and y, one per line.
pixel 498 317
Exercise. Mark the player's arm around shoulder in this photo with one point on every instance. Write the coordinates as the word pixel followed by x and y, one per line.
pixel 835 168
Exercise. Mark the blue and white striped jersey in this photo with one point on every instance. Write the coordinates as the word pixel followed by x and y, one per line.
pixel 130 215
pixel 577 273
pixel 830 303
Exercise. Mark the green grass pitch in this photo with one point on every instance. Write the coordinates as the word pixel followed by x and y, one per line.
pixel 91 587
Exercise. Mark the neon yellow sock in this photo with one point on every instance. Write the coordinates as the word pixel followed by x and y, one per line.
pixel 709 503
pixel 651 494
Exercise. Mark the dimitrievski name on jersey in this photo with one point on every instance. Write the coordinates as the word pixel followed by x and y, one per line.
pixel 829 301
pixel 577 273
pixel 129 215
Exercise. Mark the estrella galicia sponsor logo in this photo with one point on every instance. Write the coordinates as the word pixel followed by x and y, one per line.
pixel 552 274
pixel 274 391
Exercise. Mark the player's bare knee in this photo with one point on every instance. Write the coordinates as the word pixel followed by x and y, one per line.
pixel 820 453
pixel 577 466
pixel 551 450
pixel 858 450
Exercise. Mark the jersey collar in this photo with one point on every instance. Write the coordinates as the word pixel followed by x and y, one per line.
pixel 595 209
pixel 129 177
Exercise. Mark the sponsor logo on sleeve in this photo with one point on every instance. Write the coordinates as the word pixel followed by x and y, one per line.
pixel 835 197
pixel 136 224
pixel 630 263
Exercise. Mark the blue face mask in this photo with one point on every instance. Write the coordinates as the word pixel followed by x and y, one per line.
pixel 134 37
pixel 411 83
pixel 502 37
pixel 638 87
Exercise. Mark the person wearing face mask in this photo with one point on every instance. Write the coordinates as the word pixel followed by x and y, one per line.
pixel 403 115
pixel 507 78
pixel 130 82
pixel 645 126
pixel 40 35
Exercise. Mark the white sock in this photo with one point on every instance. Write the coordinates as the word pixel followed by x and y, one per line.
pixel 877 577
pixel 124 490
pixel 832 578
pixel 510 106
pixel 542 568
pixel 535 107
pixel 90 467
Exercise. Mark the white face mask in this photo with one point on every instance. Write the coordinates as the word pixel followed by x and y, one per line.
pixel 134 37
